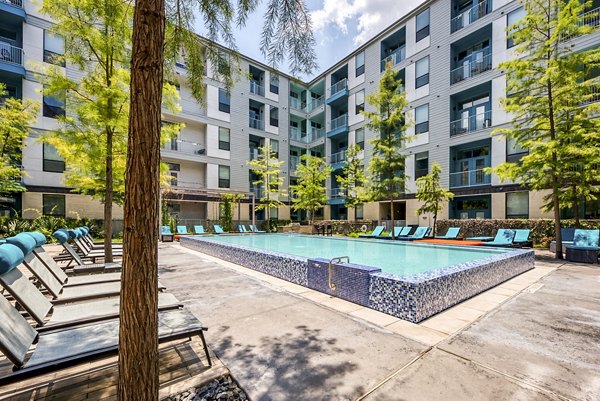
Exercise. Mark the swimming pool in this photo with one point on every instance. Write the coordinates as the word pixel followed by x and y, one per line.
pixel 409 280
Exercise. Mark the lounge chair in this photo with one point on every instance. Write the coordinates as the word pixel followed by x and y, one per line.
pixel 218 229
pixel 199 230
pixel 241 228
pixel 73 257
pixel 165 234
pixel 374 234
pixel 397 231
pixel 419 233
pixel 567 236
pixel 522 238
pixel 404 232
pixel 87 253
pixel 504 237
pixel 255 230
pixel 58 349
pixel 585 246
pixel 182 230
pixel 96 245
pixel 452 233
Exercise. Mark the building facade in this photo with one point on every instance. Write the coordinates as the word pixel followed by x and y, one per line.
pixel 447 53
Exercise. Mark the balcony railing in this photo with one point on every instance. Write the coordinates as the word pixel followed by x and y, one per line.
pixel 337 157
pixel 470 178
pixel 15 3
pixel 472 123
pixel 594 94
pixel 315 103
pixel 471 15
pixel 296 104
pixel 11 54
pixel 186 186
pixel 395 57
pixel 316 133
pixel 338 87
pixel 254 152
pixel 185 147
pixel 339 122
pixel 257 191
pixel 337 193
pixel 471 69
pixel 294 162
pixel 591 18
pixel 257 123
pixel 257 88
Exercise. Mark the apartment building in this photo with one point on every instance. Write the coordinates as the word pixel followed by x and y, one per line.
pixel 447 53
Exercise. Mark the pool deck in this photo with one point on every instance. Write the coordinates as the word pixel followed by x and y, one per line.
pixel 533 337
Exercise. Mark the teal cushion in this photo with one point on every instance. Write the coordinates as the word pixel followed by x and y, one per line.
pixel 586 238
pixel 61 236
pixel 40 239
pixel 10 257
pixel 74 233
pixel 84 230
pixel 25 242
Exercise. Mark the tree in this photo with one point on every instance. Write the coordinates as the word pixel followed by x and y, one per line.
pixel 310 193
pixel 92 138
pixel 353 179
pixel 228 204
pixel 432 194
pixel 287 32
pixel 267 168
pixel 16 117
pixel 550 104
pixel 386 168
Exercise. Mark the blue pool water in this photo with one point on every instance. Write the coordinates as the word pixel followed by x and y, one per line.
pixel 393 257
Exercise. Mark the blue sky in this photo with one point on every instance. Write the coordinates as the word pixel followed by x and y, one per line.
pixel 340 26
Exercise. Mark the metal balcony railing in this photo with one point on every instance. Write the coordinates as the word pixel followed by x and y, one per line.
pixel 337 193
pixel 257 88
pixel 257 123
pixel 338 87
pixel 472 123
pixel 186 147
pixel 591 18
pixel 395 57
pixel 254 152
pixel 294 162
pixel 470 178
pixel 316 133
pixel 594 94
pixel 337 157
pixel 314 104
pixel 15 3
pixel 471 15
pixel 339 122
pixel 471 69
pixel 11 54
pixel 296 104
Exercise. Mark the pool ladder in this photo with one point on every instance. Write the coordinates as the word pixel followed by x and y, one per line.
pixel 339 259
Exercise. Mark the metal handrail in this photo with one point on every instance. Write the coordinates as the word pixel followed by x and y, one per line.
pixel 470 15
pixel 473 68
pixel 337 157
pixel 339 259
pixel 11 54
pixel 469 178
pixel 257 123
pixel 474 123
pixel 16 3
pixel 257 88
pixel 338 87
pixel 339 121
pixel 395 57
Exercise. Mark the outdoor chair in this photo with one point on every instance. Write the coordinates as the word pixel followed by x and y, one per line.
pixel 182 230
pixel 419 233
pixel 405 232
pixel 585 247
pixel 255 230
pixel 567 236
pixel 375 233
pixel 96 245
pixel 452 233
pixel 73 257
pixel 241 228
pixel 397 231
pixel 218 229
pixel 199 230
pixel 87 253
pixel 166 235
pixel 504 237
pixel 522 238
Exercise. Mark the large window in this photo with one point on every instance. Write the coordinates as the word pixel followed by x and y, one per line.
pixel 53 162
pixel 274 86
pixel 54 47
pixel 53 205
pixel 512 18
pixel 421 164
pixel 274 116
pixel 54 106
pixel 359 212
pixel 275 147
pixel 360 138
pixel 422 72
pixel 517 205
pixel 360 102
pixel 360 64
pixel 422 25
pixel 224 177
pixel 224 101
pixel 514 152
pixel 422 119
pixel 224 140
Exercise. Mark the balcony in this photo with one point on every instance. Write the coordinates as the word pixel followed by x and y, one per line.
pixel 470 178
pixel 14 7
pixel 472 123
pixel 294 162
pixel 257 88
pixel 394 58
pixel 190 107
pixel 314 104
pixel 254 153
pixel 183 149
pixel 296 104
pixel 336 193
pixel 471 69
pixel 338 157
pixel 339 125
pixel 591 18
pixel 337 91
pixel 257 123
pixel 11 58
pixel 186 187
pixel 297 135
pixel 470 15
pixel 594 94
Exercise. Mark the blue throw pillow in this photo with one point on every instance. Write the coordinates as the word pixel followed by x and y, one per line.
pixel 40 239
pixel 10 257
pixel 61 236
pixel 25 242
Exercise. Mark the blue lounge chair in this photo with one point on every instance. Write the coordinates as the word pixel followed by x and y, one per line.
pixel 375 233
pixel 165 234
pixel 182 230
pixel 255 230
pixel 242 229
pixel 522 238
pixel 397 231
pixel 567 236
pixel 419 233
pixel 404 232
pixel 199 230
pixel 504 237
pixel 218 229
pixel 452 233
pixel 585 246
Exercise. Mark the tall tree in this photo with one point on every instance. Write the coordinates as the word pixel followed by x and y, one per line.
pixel 431 193
pixel 287 32
pixel 549 101
pixel 227 206
pixel 16 117
pixel 267 168
pixel 92 138
pixel 386 168
pixel 353 179
pixel 310 193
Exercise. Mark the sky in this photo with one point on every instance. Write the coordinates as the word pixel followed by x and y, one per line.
pixel 339 27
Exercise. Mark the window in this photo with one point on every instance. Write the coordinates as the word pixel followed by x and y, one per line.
pixel 274 86
pixel 517 205
pixel 514 152
pixel 224 101
pixel 360 64
pixel 224 142
pixel 512 18
pixel 273 213
pixel 274 117
pixel 421 164
pixel 54 47
pixel 275 147
pixel 360 102
pixel 359 212
pixel 174 178
pixel 422 25
pixel 54 106
pixel 422 119
pixel 422 72
pixel 224 177
pixel 53 162
pixel 360 138
pixel 53 205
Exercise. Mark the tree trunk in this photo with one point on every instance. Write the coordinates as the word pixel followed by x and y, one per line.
pixel 108 198
pixel 392 217
pixel 434 223
pixel 576 206
pixel 138 333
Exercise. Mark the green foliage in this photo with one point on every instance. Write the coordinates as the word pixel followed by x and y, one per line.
pixel 353 180
pixel 16 116
pixel 267 167
pixel 227 208
pixel 47 225
pixel 310 193
pixel 432 194
pixel 272 226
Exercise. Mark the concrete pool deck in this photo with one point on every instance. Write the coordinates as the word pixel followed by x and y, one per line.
pixel 535 336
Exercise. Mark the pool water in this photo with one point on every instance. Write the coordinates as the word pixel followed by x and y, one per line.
pixel 393 257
